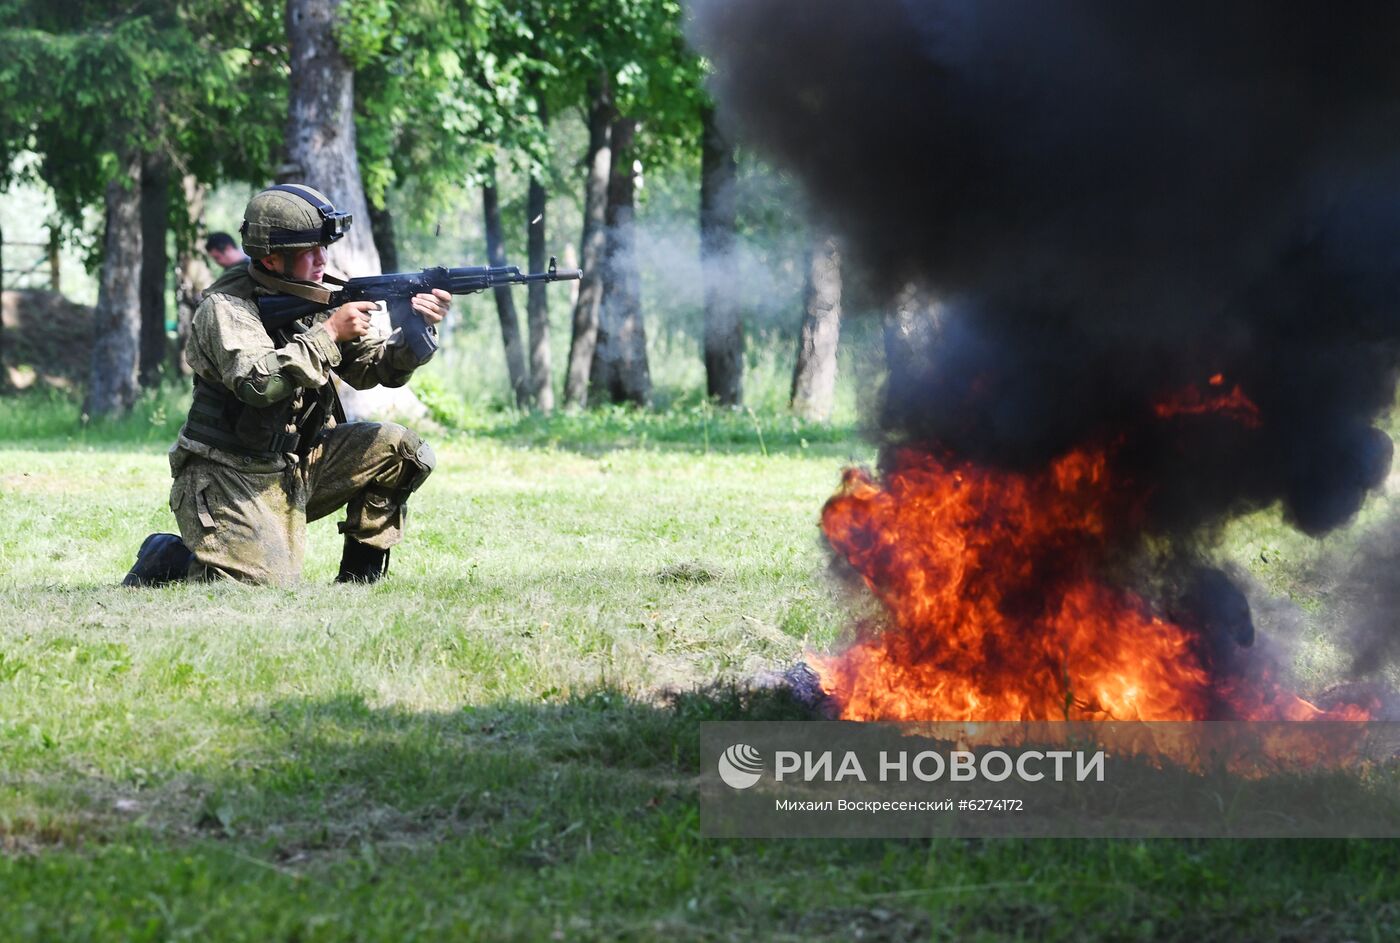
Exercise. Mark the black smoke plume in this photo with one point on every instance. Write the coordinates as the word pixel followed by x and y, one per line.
pixel 1113 201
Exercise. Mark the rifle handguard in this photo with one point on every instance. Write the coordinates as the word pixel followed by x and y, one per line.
pixel 280 311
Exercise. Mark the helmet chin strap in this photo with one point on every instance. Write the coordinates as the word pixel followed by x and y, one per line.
pixel 282 285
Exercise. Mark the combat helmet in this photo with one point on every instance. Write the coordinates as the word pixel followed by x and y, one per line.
pixel 290 216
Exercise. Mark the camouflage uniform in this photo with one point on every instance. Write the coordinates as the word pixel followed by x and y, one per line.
pixel 266 448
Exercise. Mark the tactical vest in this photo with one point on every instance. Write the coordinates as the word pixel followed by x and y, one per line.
pixel 220 419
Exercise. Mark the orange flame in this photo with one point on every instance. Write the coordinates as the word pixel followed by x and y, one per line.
pixel 1189 402
pixel 995 609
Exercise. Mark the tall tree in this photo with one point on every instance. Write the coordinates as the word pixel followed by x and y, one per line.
pixel 14 126
pixel 590 292
pixel 505 301
pixel 112 383
pixel 537 297
pixel 621 373
pixel 724 326
pixel 322 152
pixel 444 88
pixel 611 58
pixel 436 112
pixel 4 373
pixel 429 109
pixel 163 77
pixel 537 300
pixel 86 140
pixel 155 220
pixel 321 127
pixel 814 376
pixel 381 223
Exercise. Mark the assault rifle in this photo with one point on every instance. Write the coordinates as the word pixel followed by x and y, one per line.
pixel 280 311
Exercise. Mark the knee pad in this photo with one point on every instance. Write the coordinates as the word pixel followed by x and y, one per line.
pixel 419 462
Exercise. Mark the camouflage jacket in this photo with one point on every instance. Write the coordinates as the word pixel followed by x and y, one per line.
pixel 230 348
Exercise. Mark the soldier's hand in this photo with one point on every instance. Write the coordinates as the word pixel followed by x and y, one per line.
pixel 433 307
pixel 350 320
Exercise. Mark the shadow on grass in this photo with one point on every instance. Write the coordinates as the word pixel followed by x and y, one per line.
pixel 520 817
pixel 350 772
pixel 578 819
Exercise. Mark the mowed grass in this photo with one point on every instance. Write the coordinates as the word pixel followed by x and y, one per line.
pixel 499 741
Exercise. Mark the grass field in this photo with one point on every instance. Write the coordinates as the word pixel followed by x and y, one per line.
pixel 500 741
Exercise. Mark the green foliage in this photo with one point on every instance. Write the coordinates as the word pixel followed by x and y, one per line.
pixel 83 81
pixel 418 115
pixel 445 90
pixel 363 29
pixel 94 99
pixel 639 46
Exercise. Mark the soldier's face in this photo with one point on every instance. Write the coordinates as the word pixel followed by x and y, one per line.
pixel 309 264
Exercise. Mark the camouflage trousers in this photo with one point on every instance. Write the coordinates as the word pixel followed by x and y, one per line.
pixel 250 525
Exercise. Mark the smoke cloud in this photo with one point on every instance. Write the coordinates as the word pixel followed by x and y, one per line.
pixel 1112 202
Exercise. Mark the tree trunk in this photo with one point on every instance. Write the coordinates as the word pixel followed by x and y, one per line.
pixel 590 288
pixel 570 261
pixel 155 220
pixel 321 153
pixel 4 369
pixel 117 321
pixel 537 301
pixel 381 223
pixel 620 372
pixel 814 378
pixel 505 302
pixel 321 128
pixel 55 282
pixel 724 326
pixel 192 276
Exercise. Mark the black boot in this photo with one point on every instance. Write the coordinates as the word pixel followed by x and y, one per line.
pixel 362 564
pixel 163 558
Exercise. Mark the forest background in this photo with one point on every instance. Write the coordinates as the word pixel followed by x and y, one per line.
pixel 457 133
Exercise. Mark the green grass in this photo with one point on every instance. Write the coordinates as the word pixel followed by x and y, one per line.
pixel 499 741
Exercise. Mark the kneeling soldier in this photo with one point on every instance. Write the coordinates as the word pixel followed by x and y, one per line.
pixel 266 447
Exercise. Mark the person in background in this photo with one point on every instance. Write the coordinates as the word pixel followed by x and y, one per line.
pixel 223 250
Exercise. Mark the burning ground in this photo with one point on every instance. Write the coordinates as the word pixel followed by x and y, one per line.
pixel 999 606
pixel 1163 252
